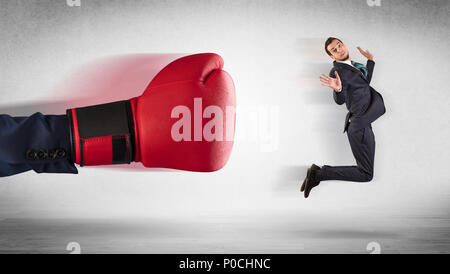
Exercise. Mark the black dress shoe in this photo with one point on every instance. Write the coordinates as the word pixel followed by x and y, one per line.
pixel 312 179
pixel 304 181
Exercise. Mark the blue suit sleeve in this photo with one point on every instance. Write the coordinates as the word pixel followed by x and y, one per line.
pixel 38 142
pixel 370 67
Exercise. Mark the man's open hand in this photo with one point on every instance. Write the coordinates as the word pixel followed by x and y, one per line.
pixel 334 83
pixel 366 53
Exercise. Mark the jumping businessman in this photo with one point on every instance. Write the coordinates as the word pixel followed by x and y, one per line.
pixel 350 82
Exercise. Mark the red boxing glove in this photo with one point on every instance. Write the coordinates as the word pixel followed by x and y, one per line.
pixel 184 120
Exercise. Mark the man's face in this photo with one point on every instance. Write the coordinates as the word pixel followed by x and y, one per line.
pixel 338 50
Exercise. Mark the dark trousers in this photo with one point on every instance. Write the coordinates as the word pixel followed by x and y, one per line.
pixel 362 142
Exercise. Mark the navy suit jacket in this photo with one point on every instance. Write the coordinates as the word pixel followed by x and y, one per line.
pixel 38 142
pixel 363 102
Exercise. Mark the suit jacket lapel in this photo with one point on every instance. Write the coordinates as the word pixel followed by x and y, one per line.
pixel 347 66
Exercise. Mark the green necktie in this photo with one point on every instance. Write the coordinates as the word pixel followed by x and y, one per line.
pixel 361 67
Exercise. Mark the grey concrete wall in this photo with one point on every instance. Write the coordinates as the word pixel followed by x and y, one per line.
pixel 274 52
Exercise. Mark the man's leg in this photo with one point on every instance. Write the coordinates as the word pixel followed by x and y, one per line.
pixel 362 143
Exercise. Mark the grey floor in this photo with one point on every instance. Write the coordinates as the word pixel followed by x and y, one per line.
pixel 289 233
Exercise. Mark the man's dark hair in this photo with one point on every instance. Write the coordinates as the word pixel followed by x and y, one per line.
pixel 328 42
